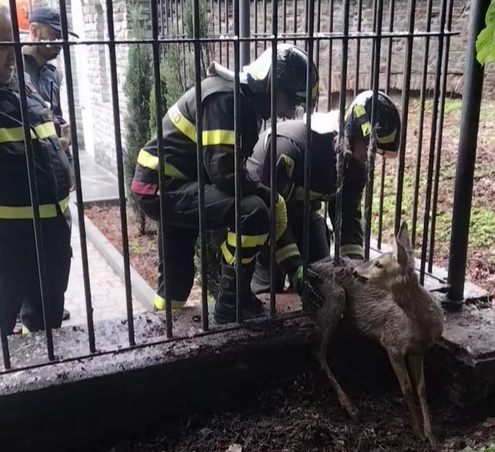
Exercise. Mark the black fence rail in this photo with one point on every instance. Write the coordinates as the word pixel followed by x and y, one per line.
pixel 356 45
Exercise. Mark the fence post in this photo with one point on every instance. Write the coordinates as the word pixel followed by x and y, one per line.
pixel 244 29
pixel 466 157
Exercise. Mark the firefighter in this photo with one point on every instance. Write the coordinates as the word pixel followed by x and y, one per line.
pixel 181 186
pixel 45 25
pixel 19 280
pixel 291 144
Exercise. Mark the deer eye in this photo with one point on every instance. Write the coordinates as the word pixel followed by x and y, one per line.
pixel 378 265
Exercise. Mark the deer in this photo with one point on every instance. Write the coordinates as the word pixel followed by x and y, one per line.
pixel 383 300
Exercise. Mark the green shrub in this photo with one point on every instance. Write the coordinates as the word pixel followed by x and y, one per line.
pixel 137 88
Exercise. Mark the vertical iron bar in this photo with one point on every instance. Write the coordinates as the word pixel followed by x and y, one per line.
pixel 120 170
pixel 372 147
pixel 373 47
pixel 431 157
pixel 177 27
pixel 161 162
pixel 466 158
pixel 167 14
pixel 245 31
pixel 387 91
pixel 77 169
pixel 273 162
pixel 264 22
pixel 188 44
pixel 3 331
pixel 284 17
pixel 220 30
pixel 419 149
pixel 337 227
pixel 318 29
pixel 294 15
pixel 443 92
pixel 33 185
pixel 406 77
pixel 200 164
pixel 227 30
pixel 358 47
pixel 256 27
pixel 308 151
pixel 330 56
pixel 238 162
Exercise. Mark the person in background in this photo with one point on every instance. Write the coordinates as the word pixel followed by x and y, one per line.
pixel 19 277
pixel 218 137
pixel 45 25
pixel 291 145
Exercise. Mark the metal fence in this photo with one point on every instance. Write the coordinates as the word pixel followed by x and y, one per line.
pixel 333 32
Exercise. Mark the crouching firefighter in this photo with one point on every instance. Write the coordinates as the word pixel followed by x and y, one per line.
pixel 291 144
pixel 181 186
pixel 19 281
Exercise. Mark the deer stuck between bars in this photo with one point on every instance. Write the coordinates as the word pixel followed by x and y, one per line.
pixel 384 301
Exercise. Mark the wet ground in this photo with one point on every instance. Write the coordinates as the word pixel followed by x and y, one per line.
pixel 302 415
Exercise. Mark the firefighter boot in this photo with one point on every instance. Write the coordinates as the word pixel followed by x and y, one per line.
pixel 225 306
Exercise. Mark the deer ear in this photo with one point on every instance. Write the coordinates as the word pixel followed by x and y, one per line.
pixel 400 253
pixel 403 236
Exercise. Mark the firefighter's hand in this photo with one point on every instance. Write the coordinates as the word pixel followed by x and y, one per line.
pixel 314 279
pixel 65 138
pixel 280 217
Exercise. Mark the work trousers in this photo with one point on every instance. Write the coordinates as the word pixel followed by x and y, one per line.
pixel 20 290
pixel 181 230
pixel 319 248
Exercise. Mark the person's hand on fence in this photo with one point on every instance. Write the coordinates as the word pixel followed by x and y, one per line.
pixel 65 138
pixel 315 298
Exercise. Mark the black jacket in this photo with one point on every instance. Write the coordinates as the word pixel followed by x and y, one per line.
pixel 179 139
pixel 52 166
pixel 291 144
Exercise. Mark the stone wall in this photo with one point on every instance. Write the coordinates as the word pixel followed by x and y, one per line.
pixel 91 65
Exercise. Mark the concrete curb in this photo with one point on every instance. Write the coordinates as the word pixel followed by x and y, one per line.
pixel 140 288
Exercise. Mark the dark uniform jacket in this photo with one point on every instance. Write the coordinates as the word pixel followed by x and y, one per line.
pixel 47 80
pixel 291 144
pixel 179 141
pixel 53 174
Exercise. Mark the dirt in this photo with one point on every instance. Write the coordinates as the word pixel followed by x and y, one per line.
pixel 303 415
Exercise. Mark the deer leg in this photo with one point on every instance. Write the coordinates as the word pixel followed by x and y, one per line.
pixel 400 369
pixel 328 319
pixel 344 400
pixel 418 377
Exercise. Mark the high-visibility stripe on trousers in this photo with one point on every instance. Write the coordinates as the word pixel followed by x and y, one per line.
pixel 181 231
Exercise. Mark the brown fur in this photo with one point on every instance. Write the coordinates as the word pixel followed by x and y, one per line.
pixel 384 301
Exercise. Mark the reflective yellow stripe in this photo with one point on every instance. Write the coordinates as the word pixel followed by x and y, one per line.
pixel 347 250
pixel 16 134
pixel 230 258
pixel 359 111
pixel 366 128
pixel 215 137
pixel 210 137
pixel 26 213
pixel 149 161
pixel 388 138
pixel 286 252
pixel 247 241
pixel 159 303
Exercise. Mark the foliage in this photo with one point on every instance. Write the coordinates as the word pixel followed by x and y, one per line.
pixel 485 43
pixel 137 87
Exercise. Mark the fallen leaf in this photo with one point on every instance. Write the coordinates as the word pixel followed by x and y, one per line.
pixel 489 422
pixel 234 448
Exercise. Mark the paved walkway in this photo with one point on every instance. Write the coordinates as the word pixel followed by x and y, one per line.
pixel 107 288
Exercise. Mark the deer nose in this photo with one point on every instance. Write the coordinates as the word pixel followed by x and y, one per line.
pixel 355 273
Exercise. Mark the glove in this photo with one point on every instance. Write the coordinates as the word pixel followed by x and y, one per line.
pixel 315 297
pixel 280 217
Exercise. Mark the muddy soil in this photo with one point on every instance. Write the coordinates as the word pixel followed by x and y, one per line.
pixel 302 415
